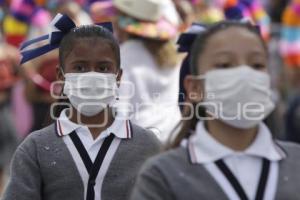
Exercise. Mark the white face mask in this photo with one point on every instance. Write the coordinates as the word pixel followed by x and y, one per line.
pixel 240 97
pixel 90 92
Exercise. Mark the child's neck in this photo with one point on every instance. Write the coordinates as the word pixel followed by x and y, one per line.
pixel 97 123
pixel 234 138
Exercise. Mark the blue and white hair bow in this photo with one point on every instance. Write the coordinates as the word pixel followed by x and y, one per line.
pixel 62 24
pixel 186 39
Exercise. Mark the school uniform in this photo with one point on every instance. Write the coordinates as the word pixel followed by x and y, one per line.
pixel 63 161
pixel 203 168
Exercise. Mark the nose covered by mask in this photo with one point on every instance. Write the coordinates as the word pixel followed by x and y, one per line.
pixel 90 92
pixel 240 96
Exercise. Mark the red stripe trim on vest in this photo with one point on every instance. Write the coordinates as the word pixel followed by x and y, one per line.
pixel 59 128
pixel 127 130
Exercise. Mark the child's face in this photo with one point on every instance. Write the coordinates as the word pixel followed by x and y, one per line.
pixel 228 48
pixel 233 47
pixel 91 54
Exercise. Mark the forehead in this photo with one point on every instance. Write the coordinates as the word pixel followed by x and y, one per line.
pixel 235 40
pixel 89 48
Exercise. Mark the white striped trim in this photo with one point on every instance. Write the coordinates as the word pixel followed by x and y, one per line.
pixel 58 128
pixel 82 169
pixel 106 163
pixel 222 181
pixel 271 187
pixel 192 152
pixel 128 129
pixel 270 190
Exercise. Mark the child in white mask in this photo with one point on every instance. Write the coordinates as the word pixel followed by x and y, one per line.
pixel 224 150
pixel 88 152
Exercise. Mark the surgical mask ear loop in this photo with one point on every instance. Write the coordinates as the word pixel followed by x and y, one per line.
pixel 62 71
pixel 199 77
pixel 62 95
pixel 118 84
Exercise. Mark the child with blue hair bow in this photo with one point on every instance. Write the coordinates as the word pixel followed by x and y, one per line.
pixel 88 152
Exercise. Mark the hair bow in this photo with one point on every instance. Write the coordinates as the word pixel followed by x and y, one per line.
pixel 186 39
pixel 62 24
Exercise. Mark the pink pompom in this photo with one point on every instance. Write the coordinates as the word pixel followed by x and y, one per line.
pixel 296 8
pixel 41 18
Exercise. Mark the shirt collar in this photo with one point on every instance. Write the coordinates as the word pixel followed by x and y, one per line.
pixel 203 148
pixel 120 127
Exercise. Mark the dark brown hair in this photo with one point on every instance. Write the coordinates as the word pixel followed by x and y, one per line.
pixel 87 31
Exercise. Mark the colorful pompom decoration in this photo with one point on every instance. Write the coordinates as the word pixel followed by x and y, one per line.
pixel 208 12
pixel 251 10
pixel 290 35
pixel 14 30
pixel 102 11
pixel 22 9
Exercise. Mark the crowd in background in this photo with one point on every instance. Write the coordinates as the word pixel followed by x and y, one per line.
pixel 149 57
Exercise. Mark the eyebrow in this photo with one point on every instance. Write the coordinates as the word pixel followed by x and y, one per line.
pixel 252 53
pixel 85 61
pixel 222 53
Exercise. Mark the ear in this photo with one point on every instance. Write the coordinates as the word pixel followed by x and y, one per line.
pixel 119 77
pixel 59 73
pixel 194 89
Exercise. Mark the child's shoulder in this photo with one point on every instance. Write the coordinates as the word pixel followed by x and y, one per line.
pixel 41 136
pixel 142 134
pixel 142 140
pixel 44 133
pixel 174 157
pixel 291 149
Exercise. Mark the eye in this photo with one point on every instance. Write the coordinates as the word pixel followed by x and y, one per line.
pixel 258 66
pixel 104 68
pixel 223 65
pixel 79 68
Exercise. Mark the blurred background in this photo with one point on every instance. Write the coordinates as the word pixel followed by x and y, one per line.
pixel 25 97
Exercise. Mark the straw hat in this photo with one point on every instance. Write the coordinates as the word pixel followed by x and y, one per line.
pixel 147 10
pixel 145 18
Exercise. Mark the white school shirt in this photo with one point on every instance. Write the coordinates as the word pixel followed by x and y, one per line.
pixel 148 94
pixel 120 128
pixel 245 165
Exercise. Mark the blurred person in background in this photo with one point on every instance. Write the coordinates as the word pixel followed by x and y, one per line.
pixel 150 63
pixel 15 28
pixel 38 75
pixel 290 51
pixel 8 133
pixel 26 19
